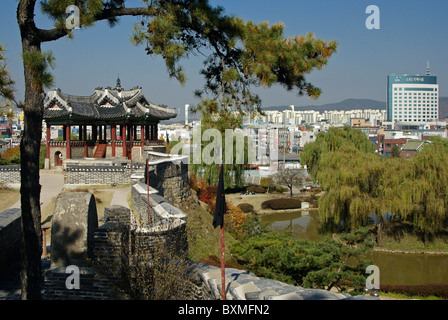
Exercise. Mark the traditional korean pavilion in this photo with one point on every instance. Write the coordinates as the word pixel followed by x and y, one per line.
pixel 111 123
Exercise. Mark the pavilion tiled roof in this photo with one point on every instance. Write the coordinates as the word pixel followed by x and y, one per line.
pixel 103 105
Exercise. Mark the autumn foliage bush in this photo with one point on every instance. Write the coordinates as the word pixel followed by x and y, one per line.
pixel 256 189
pixel 234 217
pixel 10 156
pixel 204 191
pixel 246 207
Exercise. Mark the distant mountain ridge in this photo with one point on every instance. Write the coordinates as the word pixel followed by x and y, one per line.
pixel 347 104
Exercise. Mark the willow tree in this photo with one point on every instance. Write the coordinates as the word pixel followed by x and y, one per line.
pixel 427 193
pixel 355 180
pixel 238 55
pixel 345 177
pixel 333 140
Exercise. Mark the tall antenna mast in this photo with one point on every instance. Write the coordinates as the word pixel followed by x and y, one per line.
pixel 428 71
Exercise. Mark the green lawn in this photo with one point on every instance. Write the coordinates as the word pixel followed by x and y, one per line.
pixel 8 197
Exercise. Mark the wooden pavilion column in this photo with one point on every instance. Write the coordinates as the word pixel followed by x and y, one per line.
pixel 94 133
pixel 147 132
pixel 64 132
pixel 113 129
pixel 131 133
pixel 142 136
pixel 105 132
pixel 81 135
pixel 67 141
pixel 100 129
pixel 124 138
pixel 48 140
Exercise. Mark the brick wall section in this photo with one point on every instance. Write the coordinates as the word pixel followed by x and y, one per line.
pixel 170 178
pixel 92 286
pixel 140 202
pixel 172 238
pixel 10 175
pixel 97 175
pixel 10 238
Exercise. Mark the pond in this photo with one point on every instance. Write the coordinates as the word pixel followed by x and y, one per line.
pixel 395 268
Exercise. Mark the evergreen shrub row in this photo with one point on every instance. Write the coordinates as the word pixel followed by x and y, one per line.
pixel 283 203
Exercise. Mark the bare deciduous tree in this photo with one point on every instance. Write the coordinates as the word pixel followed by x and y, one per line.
pixel 290 178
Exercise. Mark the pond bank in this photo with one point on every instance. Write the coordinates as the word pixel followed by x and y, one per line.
pixel 377 249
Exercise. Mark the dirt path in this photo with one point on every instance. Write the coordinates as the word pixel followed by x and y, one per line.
pixel 52 183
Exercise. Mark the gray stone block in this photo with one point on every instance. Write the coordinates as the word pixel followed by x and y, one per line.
pixel 72 233
pixel 319 294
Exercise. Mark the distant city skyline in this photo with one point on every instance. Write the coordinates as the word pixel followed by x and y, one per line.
pixel 411 33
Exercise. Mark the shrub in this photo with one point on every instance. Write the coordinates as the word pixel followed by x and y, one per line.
pixel 246 207
pixel 208 193
pixel 11 156
pixel 256 189
pixel 213 260
pixel 267 183
pixel 193 182
pixel 316 190
pixel 279 204
pixel 280 189
pixel 234 217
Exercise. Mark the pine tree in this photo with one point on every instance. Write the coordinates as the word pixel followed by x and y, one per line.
pixel 242 54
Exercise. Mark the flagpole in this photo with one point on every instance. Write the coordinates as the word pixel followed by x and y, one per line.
pixel 223 268
pixel 218 220
pixel 223 273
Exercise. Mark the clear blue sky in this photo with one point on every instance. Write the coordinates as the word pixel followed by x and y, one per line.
pixel 411 32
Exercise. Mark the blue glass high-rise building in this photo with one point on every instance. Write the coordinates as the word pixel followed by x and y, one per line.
pixel 412 98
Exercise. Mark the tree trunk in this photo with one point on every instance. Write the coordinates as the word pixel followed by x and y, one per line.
pixel 29 151
pixel 379 233
pixel 30 193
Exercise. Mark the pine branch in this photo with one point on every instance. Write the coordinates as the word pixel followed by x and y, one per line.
pixel 57 33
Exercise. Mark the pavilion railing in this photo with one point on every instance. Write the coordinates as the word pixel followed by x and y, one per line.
pixel 82 143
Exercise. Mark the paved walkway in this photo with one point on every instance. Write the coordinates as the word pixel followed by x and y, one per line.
pixel 120 197
pixel 52 183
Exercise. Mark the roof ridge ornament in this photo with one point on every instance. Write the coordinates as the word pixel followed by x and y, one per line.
pixel 108 96
pixel 118 86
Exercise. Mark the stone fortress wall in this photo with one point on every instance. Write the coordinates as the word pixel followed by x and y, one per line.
pixel 77 240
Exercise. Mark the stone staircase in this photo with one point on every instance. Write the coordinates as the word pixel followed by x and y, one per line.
pixel 100 151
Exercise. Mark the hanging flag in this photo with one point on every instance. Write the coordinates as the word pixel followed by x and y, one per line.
pixel 220 208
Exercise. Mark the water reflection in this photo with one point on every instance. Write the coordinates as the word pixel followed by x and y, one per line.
pixel 302 224
pixel 395 268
